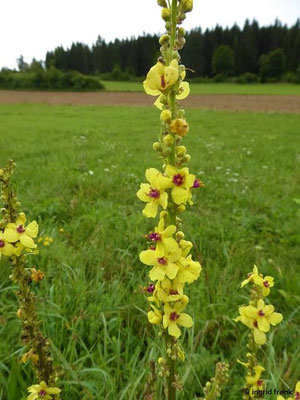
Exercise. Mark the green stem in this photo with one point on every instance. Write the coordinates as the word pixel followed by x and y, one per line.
pixel 171 379
pixel 172 214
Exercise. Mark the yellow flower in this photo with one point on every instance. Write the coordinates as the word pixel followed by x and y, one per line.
pixel 163 238
pixel 37 275
pixel 18 232
pixel 154 193
pixel 30 355
pixel 189 270
pixel 42 391
pixel 174 317
pixel 259 319
pixel 161 77
pixel 255 381
pixel 181 182
pixel 154 316
pixel 162 265
pixel 185 246
pixel 179 126
pixel 250 276
pixel 264 282
pixel 6 248
pixel 169 290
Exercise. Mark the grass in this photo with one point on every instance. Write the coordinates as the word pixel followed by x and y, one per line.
pixel 78 168
pixel 216 88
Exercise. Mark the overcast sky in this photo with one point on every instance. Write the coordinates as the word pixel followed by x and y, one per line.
pixel 32 27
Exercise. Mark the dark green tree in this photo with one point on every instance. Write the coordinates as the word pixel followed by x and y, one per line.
pixel 223 61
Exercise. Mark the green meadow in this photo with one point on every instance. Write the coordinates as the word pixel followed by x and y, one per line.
pixel 78 171
pixel 216 88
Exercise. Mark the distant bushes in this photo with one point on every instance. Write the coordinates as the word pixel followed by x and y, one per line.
pixel 51 79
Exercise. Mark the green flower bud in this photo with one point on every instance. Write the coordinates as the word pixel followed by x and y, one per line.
pixel 186 158
pixel 181 32
pixel 187 5
pixel 168 26
pixel 162 3
pixel 157 146
pixel 179 235
pixel 166 14
pixel 164 39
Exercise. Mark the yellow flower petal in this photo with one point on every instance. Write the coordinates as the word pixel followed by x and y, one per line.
pixel 184 91
pixel 157 274
pixel 32 229
pixel 150 209
pixel 27 241
pixel 275 318
pixel 185 320
pixel 179 195
pixel 11 235
pixel 259 337
pixel 148 257
pixel 173 329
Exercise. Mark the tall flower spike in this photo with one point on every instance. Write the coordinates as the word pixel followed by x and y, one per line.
pixel 258 317
pixel 169 191
pixel 16 243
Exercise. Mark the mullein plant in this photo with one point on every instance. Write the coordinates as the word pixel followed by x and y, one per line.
pixel 17 244
pixel 166 194
pixel 258 317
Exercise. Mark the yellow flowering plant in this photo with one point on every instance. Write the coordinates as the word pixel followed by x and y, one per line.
pixel 17 242
pixel 258 317
pixel 166 195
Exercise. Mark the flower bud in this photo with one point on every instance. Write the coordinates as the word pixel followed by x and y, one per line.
pixel 181 113
pixel 164 39
pixel 161 361
pixel 182 17
pixel 180 127
pixel 166 14
pixel 168 26
pixel 187 5
pixel 181 151
pixel 168 140
pixel 179 235
pixel 157 146
pixel 181 32
pixel 187 158
pixel 1 172
pixel 181 208
pixel 162 3
pixel 166 116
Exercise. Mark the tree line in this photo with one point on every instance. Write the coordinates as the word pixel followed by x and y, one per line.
pixel 246 51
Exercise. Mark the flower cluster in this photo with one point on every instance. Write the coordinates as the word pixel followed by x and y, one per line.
pixel 16 242
pixel 168 192
pixel 258 317
pixel 17 238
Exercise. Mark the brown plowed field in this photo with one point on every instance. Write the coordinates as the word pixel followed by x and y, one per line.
pixel 263 103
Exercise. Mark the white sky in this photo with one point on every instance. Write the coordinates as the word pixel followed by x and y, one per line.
pixel 32 27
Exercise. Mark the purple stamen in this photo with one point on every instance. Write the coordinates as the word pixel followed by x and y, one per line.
pixel 174 316
pixel 266 284
pixel 196 184
pixel 173 292
pixel 155 237
pixel 297 395
pixel 42 393
pixel 255 324
pixel 178 179
pixel 261 313
pixel 154 193
pixel 152 247
pixel 162 260
pixel 20 229
pixel 2 243
pixel 151 288
pixel 259 382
